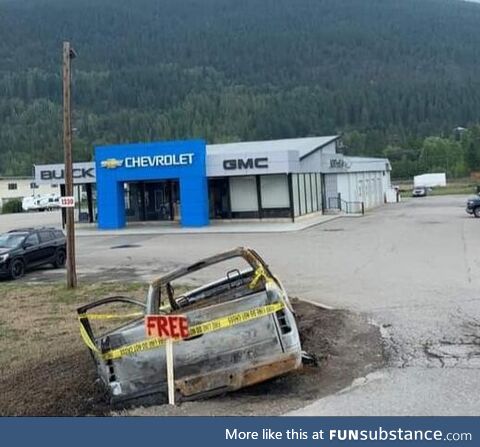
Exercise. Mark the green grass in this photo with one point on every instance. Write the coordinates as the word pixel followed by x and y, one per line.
pixel 453 189
pixel 7 332
pixel 91 292
pixel 40 320
pixel 458 186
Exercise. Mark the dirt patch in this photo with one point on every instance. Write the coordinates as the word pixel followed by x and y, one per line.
pixel 64 386
pixel 47 371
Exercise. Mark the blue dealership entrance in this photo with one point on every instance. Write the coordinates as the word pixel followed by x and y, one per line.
pixel 163 180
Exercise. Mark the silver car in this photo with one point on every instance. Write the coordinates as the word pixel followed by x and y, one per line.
pixel 419 191
pixel 242 332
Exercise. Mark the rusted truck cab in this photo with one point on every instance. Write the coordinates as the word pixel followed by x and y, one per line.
pixel 242 332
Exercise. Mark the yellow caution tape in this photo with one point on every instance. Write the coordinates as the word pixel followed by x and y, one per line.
pixel 234 319
pixel 87 339
pixel 259 273
pixel 134 348
pixel 198 329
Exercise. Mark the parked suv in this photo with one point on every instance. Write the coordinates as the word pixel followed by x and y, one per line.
pixel 473 206
pixel 26 248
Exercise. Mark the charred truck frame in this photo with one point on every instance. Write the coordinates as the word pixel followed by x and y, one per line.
pixel 242 332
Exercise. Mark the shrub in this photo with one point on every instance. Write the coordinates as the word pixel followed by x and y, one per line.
pixel 12 206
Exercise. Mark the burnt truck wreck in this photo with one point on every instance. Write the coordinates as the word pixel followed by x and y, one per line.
pixel 242 332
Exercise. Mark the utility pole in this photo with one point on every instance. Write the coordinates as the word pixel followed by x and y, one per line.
pixel 68 55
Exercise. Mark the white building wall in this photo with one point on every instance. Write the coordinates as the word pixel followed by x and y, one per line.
pixel 331 188
pixel 313 162
pixel 357 179
pixel 20 187
pixel 343 186
pixel 330 148
pixel 367 187
pixel 386 181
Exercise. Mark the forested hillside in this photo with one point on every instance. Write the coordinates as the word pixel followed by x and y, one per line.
pixel 386 73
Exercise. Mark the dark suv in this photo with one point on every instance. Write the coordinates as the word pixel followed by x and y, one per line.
pixel 25 248
pixel 473 206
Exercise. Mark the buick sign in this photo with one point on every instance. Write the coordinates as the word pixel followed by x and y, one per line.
pixel 78 173
pixel 83 172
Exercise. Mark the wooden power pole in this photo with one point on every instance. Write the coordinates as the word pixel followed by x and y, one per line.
pixel 68 55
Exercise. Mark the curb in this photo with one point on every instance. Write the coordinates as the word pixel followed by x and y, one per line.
pixel 316 303
pixel 151 232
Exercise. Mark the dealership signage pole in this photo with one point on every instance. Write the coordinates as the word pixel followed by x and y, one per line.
pixel 68 55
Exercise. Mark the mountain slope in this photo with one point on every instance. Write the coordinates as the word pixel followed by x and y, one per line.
pixel 225 70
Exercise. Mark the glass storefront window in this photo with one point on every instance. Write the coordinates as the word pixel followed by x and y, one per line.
pixel 219 198
pixel 243 194
pixel 274 191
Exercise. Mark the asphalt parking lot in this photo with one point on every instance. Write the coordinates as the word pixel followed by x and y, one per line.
pixel 412 268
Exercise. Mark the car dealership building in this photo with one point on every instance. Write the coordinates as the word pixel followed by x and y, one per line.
pixel 193 183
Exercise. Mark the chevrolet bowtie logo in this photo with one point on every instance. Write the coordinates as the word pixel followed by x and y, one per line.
pixel 111 163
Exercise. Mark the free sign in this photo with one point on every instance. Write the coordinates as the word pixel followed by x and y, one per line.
pixel 167 326
pixel 67 202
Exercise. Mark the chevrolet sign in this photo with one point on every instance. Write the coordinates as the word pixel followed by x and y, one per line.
pixel 149 161
pixel 154 161
pixel 111 163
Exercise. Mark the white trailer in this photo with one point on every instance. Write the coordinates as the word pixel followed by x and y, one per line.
pixel 41 202
pixel 430 180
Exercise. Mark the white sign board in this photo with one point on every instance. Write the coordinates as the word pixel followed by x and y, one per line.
pixel 83 172
pixel 252 163
pixel 67 202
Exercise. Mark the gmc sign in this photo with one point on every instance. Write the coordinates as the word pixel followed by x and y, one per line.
pixel 245 163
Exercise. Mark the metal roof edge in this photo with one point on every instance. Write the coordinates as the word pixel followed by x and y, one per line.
pixel 335 138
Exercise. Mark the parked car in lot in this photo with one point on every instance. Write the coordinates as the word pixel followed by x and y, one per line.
pixel 26 248
pixel 419 191
pixel 473 206
pixel 241 331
